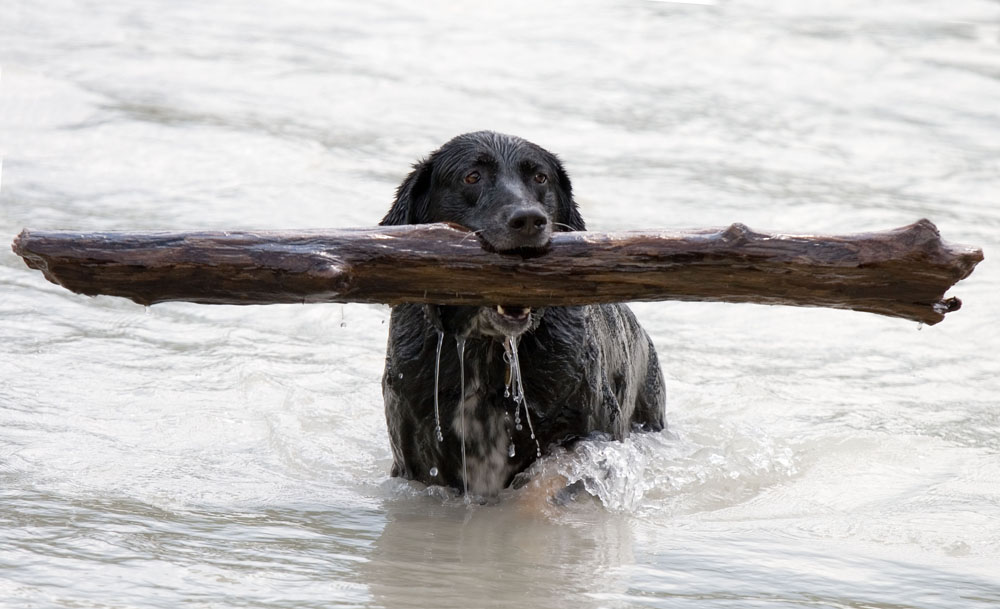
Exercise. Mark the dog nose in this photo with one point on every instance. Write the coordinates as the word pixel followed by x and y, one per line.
pixel 527 221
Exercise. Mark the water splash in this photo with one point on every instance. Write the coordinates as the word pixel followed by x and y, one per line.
pixel 437 377
pixel 703 465
pixel 460 345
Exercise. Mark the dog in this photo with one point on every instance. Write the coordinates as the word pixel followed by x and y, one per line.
pixel 474 395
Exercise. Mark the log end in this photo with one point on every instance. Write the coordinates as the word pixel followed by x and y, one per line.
pixel 947 305
pixel 18 244
pixel 923 235
pixel 935 314
pixel 951 262
pixel 22 246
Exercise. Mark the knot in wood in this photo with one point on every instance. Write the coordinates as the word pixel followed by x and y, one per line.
pixel 737 233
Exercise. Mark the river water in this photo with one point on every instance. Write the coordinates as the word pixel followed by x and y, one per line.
pixel 197 456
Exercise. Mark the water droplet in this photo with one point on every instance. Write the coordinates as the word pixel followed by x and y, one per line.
pixel 434 471
pixel 400 375
pixel 519 427
pixel 506 392
pixel 510 451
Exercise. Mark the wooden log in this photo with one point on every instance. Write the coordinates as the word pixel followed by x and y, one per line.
pixel 903 272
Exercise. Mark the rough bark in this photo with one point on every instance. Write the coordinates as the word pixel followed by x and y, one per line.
pixel 903 272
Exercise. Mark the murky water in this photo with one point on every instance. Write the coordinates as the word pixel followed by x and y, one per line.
pixel 226 456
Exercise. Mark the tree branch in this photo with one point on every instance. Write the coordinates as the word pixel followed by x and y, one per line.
pixel 903 272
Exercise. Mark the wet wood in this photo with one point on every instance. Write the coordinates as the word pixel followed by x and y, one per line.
pixel 901 273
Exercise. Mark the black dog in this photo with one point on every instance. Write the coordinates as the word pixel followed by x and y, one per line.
pixel 583 370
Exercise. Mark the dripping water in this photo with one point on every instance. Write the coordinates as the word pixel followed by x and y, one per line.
pixel 437 376
pixel 518 390
pixel 509 380
pixel 460 344
pixel 511 450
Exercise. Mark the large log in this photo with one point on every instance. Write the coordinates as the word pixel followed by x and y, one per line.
pixel 902 273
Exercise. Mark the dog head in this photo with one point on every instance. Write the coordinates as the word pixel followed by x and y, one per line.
pixel 513 194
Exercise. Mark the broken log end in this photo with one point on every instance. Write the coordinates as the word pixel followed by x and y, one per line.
pixel 948 305
pixel 18 247
pixel 924 236
pixel 966 258
pixel 935 314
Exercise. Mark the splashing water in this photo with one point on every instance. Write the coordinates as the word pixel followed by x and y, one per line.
pixel 437 377
pixel 703 465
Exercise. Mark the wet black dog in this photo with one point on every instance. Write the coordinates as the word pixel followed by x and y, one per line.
pixel 583 370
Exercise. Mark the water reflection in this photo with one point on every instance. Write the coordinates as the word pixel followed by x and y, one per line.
pixel 501 555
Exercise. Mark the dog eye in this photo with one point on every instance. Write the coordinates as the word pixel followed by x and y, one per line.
pixel 541 178
pixel 472 178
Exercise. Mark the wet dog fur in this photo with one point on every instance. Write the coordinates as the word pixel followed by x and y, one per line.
pixel 586 370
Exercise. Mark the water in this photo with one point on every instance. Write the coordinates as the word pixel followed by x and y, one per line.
pixel 226 456
pixel 460 347
pixel 518 397
pixel 437 381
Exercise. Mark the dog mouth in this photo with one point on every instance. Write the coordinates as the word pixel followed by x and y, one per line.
pixel 513 312
pixel 522 251
pixel 508 320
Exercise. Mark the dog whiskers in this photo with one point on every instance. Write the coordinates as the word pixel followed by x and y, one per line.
pixel 475 233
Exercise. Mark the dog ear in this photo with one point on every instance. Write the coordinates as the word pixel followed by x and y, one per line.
pixel 410 206
pixel 569 214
